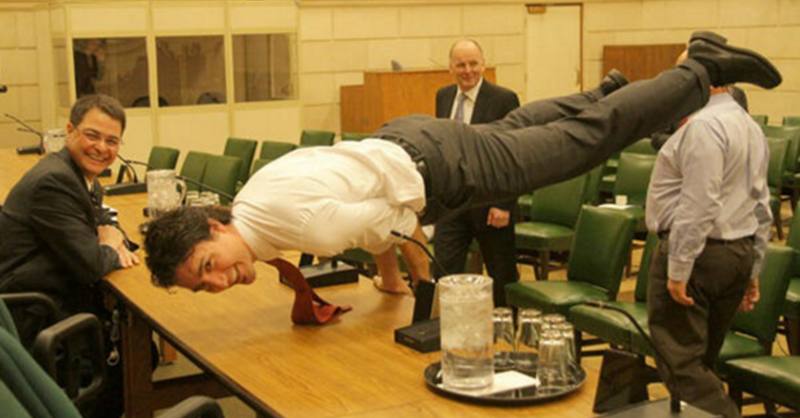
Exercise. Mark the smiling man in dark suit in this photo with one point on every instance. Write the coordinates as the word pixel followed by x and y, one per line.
pixel 56 238
pixel 474 100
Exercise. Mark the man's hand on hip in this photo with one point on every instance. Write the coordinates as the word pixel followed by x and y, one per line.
pixel 678 292
pixel 751 296
pixel 498 218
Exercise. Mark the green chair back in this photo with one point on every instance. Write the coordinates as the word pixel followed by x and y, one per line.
pixel 29 385
pixel 245 149
pixel 559 203
pixel 777 163
pixel 162 158
pixel 633 176
pixel 314 138
pixel 791 121
pixel 222 173
pixel 640 292
pixel 642 146
pixel 600 247
pixel 7 321
pixel 762 322
pixel 591 194
pixel 354 136
pixel 792 135
pixel 258 163
pixel 271 150
pixel 193 167
pixel 760 119
pixel 793 239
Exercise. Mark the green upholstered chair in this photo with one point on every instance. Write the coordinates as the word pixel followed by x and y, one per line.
pixel 354 136
pixel 777 166
pixel 591 195
pixel 258 163
pixel 271 150
pixel 633 178
pixel 776 379
pixel 27 391
pixel 611 326
pixel 760 119
pixel 222 174
pixel 524 203
pixel 596 261
pixel 315 138
pixel 791 171
pixel 791 121
pixel 245 149
pixel 554 210
pixel 193 168
pixel 162 158
pixel 791 309
pixel 642 146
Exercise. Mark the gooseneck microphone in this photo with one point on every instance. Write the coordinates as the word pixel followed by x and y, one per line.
pixel 24 127
pixel 675 401
pixel 425 292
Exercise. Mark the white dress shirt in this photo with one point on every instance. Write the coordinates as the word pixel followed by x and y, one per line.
pixel 324 200
pixel 710 181
pixel 469 102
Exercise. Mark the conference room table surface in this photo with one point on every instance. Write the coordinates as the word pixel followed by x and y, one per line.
pixel 244 340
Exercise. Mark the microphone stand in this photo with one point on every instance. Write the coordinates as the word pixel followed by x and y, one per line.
pixel 675 401
pixel 127 188
pixel 31 149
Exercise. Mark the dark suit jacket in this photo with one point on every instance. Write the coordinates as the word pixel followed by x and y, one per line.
pixel 49 235
pixel 493 103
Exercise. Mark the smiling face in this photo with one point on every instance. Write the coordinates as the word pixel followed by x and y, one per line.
pixel 94 142
pixel 215 265
pixel 466 64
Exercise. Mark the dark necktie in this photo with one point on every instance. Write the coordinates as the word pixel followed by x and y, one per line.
pixel 308 307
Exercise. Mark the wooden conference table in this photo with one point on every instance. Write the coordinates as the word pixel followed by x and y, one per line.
pixel 247 346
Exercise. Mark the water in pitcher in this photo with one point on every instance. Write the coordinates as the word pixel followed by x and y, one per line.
pixel 466 331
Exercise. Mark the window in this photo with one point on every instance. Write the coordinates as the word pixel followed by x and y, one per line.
pixel 191 70
pixel 263 67
pixel 113 66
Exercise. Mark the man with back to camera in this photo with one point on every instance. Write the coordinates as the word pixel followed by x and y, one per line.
pixel 56 238
pixel 708 200
pixel 474 100
pixel 419 170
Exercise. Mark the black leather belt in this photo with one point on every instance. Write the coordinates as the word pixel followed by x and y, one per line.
pixel 663 235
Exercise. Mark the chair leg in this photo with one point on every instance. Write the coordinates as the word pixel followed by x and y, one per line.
pixel 544 265
pixel 779 224
pixel 792 334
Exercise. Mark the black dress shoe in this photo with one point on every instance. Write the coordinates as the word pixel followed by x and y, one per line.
pixel 728 64
pixel 612 82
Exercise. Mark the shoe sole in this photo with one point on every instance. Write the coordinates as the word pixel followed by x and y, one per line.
pixel 618 77
pixel 763 61
pixel 710 37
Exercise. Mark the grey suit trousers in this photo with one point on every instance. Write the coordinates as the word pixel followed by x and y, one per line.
pixel 541 143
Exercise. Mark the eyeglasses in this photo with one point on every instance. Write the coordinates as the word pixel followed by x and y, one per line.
pixel 95 137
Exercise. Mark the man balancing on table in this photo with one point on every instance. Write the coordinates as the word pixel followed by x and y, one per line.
pixel 416 170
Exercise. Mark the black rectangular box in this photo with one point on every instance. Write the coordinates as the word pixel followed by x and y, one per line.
pixel 328 273
pixel 422 336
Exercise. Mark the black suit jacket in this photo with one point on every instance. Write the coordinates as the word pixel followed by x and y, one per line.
pixel 493 103
pixel 49 241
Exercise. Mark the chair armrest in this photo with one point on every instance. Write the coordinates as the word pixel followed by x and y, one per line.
pixel 31 312
pixel 62 350
pixel 194 407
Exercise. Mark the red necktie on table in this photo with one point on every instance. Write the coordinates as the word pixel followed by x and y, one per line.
pixel 308 307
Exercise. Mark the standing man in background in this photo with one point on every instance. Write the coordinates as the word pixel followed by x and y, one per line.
pixel 708 200
pixel 474 100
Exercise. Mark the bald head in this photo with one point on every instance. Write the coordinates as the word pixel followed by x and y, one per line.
pixel 466 63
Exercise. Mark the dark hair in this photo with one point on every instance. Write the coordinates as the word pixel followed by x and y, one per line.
pixel 106 104
pixel 170 239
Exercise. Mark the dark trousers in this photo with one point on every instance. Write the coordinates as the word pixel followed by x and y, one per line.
pixel 691 337
pixel 543 142
pixel 454 237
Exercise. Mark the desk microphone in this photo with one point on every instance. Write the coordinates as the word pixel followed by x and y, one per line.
pixel 31 149
pixel 121 188
pixel 3 88
pixel 425 292
pixel 674 402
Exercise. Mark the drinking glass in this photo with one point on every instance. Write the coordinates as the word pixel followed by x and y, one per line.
pixel 503 320
pixel 553 360
pixel 550 321
pixel 54 140
pixel 529 326
pixel 568 333
pixel 465 315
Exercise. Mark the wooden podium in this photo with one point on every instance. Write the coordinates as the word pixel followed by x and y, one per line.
pixel 386 95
